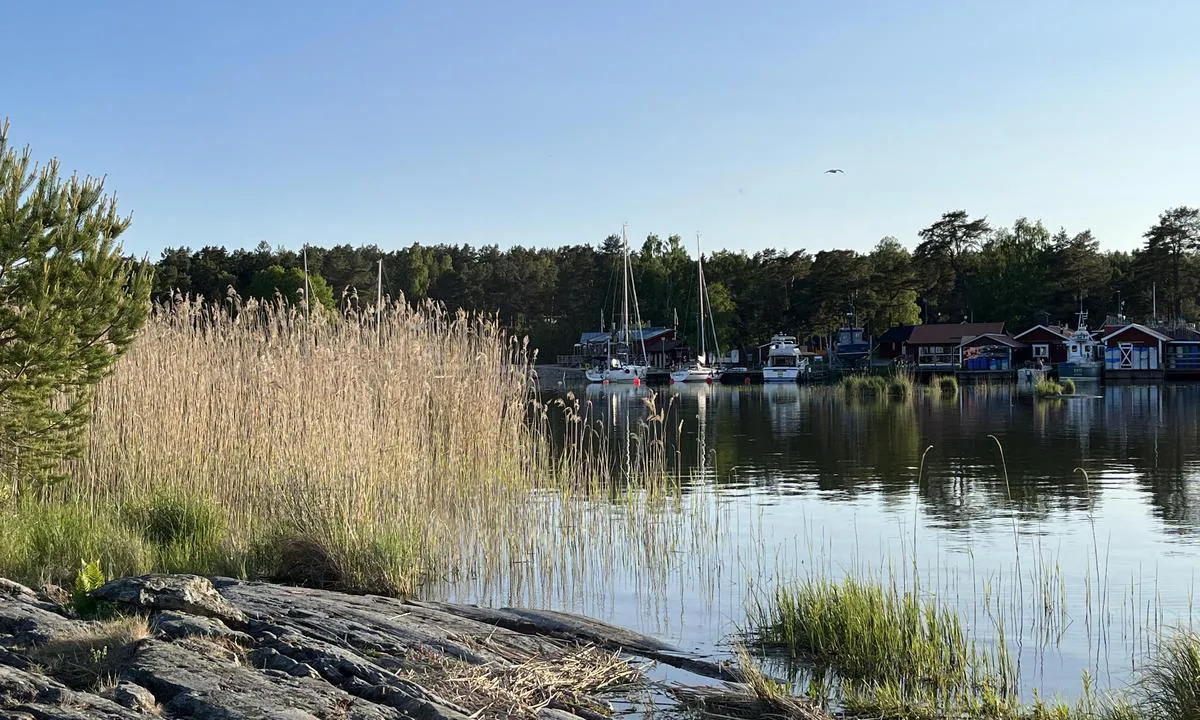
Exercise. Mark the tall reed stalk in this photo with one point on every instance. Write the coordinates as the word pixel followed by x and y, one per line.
pixel 371 450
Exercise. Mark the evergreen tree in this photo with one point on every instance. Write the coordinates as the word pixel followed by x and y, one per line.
pixel 1170 245
pixel 70 304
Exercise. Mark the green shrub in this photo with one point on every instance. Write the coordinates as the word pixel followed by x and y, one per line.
pixel 186 534
pixel 1068 386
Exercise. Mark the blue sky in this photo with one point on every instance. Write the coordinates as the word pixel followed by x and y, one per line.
pixel 547 123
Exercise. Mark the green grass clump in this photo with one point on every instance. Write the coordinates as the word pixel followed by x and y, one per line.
pixel 946 384
pixel 881 639
pixel 1068 386
pixel 186 534
pixel 872 386
pixel 1048 388
pixel 890 653
pixel 47 542
pixel 1169 686
pixel 900 386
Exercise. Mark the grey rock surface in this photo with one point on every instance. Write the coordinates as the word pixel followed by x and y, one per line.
pixel 134 697
pixel 27 694
pixel 191 594
pixel 225 650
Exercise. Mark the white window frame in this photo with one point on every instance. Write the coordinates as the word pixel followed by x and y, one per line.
pixel 1041 350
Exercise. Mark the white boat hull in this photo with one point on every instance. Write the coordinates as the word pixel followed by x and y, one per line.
pixel 781 374
pixel 694 375
pixel 621 374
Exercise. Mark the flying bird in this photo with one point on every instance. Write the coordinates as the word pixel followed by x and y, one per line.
pixel 835 170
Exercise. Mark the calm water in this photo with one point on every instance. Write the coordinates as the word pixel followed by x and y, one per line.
pixel 790 480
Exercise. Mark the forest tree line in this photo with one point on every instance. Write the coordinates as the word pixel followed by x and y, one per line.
pixel 962 268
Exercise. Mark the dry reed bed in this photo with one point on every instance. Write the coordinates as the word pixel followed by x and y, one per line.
pixel 373 451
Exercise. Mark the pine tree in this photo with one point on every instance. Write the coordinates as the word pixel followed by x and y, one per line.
pixel 70 304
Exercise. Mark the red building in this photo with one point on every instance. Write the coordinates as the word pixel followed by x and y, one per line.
pixel 935 348
pixel 1045 342
pixel 1133 351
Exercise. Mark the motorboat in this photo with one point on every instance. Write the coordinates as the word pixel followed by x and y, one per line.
pixel 784 361
pixel 1085 355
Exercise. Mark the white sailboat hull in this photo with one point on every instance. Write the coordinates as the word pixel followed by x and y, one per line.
pixel 694 375
pixel 620 374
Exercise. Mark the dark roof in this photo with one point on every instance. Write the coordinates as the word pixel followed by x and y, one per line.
pixel 649 333
pixel 589 338
pixel 635 335
pixel 993 338
pixel 952 333
pixel 898 334
pixel 1184 334
pixel 662 345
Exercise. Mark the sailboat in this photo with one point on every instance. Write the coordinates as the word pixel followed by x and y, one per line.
pixel 620 367
pixel 699 371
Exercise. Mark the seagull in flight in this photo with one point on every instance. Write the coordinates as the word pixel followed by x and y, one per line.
pixel 834 170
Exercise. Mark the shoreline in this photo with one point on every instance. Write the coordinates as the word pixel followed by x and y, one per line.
pixel 185 646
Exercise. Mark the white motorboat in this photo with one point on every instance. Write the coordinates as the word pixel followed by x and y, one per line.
pixel 1085 355
pixel 784 361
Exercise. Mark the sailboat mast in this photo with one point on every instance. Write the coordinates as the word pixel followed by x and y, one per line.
pixel 700 295
pixel 379 307
pixel 625 285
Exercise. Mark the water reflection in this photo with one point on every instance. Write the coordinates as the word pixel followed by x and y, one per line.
pixel 798 439
pixel 1088 504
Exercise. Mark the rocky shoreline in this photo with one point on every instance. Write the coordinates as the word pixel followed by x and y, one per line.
pixel 184 646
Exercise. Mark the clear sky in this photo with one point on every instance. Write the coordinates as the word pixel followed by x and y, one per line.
pixel 546 123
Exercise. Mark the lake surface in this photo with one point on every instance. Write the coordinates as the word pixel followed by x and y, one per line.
pixel 1077 572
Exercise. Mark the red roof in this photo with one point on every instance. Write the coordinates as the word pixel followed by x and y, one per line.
pixel 952 333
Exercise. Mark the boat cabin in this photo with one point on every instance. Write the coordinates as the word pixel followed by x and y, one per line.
pixel 852 348
pixel 782 351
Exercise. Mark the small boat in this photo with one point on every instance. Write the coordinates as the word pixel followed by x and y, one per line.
pixel 1085 355
pixel 699 371
pixel 617 372
pixel 784 361
pixel 852 349
pixel 621 368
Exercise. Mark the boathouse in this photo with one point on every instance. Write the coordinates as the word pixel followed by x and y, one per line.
pixel 1046 344
pixel 935 348
pixel 1133 352
pixel 988 354
pixel 662 349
